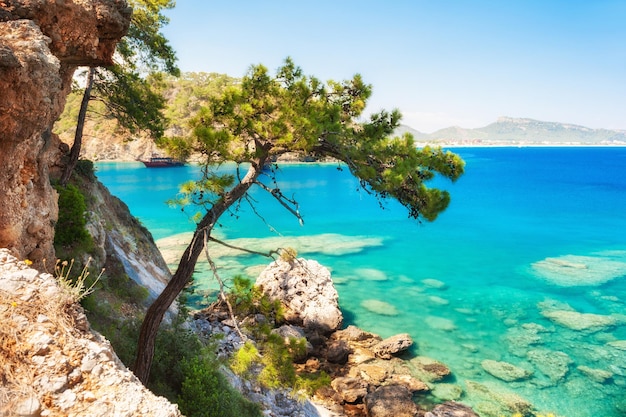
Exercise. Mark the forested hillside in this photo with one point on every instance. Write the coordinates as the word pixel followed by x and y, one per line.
pixel 106 139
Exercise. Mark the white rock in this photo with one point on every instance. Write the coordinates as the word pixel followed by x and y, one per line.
pixel 28 407
pixel 306 289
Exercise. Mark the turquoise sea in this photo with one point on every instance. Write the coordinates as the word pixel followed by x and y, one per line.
pixel 527 266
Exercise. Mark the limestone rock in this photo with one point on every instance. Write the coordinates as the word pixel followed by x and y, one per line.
pixel 350 389
pixel 391 401
pixel 413 384
pixel 28 407
pixel 392 345
pixel 440 323
pixel 505 371
pixel 580 321
pixel 372 373
pixel 434 283
pixel 354 334
pixel 573 270
pixel 42 43
pixel 618 344
pixel 447 392
pixel 505 402
pixel 306 290
pixel 451 409
pixel 337 352
pixel 73 369
pixel 379 307
pixel 597 375
pixel 428 369
pixel 553 364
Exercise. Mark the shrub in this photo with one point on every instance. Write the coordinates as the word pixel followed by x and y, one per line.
pixel 205 392
pixel 85 168
pixel 70 232
pixel 244 358
pixel 288 254
pixel 247 299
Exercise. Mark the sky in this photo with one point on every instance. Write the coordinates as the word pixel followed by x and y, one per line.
pixel 440 62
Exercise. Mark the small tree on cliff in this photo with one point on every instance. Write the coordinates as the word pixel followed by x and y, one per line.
pixel 127 94
pixel 263 117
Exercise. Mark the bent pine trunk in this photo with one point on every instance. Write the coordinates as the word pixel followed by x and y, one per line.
pixel 184 272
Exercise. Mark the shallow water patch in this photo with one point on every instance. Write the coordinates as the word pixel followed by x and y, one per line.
pixel 575 270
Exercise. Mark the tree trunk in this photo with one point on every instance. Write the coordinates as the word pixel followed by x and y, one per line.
pixel 80 126
pixel 184 272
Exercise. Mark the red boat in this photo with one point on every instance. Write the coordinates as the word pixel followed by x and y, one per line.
pixel 162 162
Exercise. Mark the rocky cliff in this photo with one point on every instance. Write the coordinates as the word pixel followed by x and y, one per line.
pixel 51 363
pixel 41 44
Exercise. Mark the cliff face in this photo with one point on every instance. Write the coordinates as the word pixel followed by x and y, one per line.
pixel 120 238
pixel 41 43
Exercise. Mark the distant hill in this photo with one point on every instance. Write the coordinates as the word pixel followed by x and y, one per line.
pixel 507 131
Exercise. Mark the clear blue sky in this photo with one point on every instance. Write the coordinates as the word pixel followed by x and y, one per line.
pixel 441 62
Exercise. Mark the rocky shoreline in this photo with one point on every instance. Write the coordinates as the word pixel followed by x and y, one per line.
pixel 370 376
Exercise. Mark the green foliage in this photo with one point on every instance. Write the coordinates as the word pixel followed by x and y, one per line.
pixel 85 169
pixel 186 95
pixel 265 116
pixel 309 383
pixel 247 300
pixel 174 345
pixel 70 232
pixel 130 99
pixel 67 119
pixel 277 359
pixel 205 392
pixel 185 371
pixel 273 365
pixel 144 44
pixel 244 358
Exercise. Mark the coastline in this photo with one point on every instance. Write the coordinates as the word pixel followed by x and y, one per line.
pixel 445 145
pixel 504 144
pixel 508 323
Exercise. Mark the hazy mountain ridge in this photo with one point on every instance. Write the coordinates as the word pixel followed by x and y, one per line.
pixel 520 131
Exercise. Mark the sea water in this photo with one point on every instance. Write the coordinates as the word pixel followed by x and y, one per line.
pixel 526 266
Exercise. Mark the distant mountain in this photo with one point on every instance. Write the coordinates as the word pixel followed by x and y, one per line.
pixel 417 135
pixel 513 131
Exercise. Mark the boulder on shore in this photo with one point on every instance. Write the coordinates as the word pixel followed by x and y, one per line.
pixel 306 291
pixel 392 345
pixel 391 401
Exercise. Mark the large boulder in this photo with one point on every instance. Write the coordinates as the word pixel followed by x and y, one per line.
pixel 306 291
pixel 349 389
pixel 392 346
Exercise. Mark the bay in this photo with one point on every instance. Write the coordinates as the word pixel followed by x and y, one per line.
pixel 526 266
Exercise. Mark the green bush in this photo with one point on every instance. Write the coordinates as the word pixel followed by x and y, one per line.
pixel 85 168
pixel 244 358
pixel 248 299
pixel 205 392
pixel 70 232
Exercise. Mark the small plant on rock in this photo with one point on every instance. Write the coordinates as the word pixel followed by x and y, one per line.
pixel 75 287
